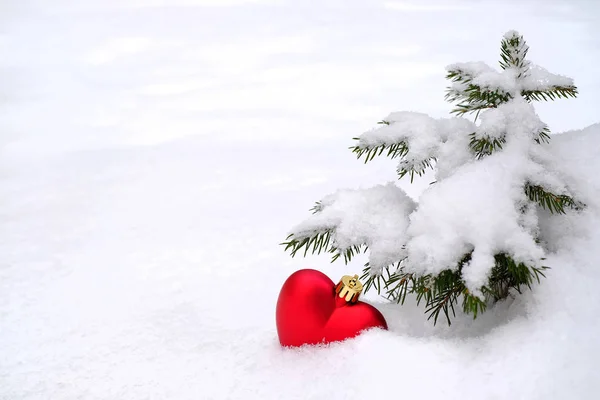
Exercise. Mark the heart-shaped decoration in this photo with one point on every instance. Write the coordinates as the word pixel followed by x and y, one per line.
pixel 311 309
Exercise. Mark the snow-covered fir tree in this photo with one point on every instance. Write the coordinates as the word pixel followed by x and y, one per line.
pixel 474 237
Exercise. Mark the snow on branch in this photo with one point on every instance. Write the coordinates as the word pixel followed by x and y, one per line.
pixel 516 116
pixel 540 84
pixel 376 217
pixel 476 86
pixel 481 75
pixel 477 210
pixel 416 138
pixel 539 78
pixel 417 130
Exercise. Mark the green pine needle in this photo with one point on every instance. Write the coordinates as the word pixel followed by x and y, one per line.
pixel 554 203
pixel 394 150
pixel 483 146
pixel 321 242
pixel 556 92
pixel 418 169
pixel 513 52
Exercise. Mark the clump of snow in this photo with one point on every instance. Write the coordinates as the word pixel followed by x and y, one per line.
pixel 377 217
pixel 471 69
pixel 418 131
pixel 453 152
pixel 503 81
pixel 538 78
pixel 514 120
pixel 493 124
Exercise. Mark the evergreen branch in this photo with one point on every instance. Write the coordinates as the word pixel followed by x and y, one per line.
pixel 466 108
pixel 318 207
pixel 485 146
pixel 543 136
pixel 473 304
pixel 347 253
pixel 457 75
pixel 406 168
pixel 394 150
pixel 377 281
pixel 507 274
pixel 442 292
pixel 556 204
pixel 471 97
pixel 422 289
pixel 474 98
pixel 319 243
pixel 399 285
pixel 486 96
pixel 554 92
pixel 513 51
pixel 447 287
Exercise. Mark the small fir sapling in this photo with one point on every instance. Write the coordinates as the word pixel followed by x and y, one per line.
pixel 473 237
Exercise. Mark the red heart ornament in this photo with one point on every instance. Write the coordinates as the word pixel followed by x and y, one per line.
pixel 310 312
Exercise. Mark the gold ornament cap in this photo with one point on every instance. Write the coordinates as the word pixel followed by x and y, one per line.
pixel 349 288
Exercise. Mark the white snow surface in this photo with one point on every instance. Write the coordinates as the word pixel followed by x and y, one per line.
pixel 153 155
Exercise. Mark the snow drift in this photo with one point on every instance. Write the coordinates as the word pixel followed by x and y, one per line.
pixel 130 276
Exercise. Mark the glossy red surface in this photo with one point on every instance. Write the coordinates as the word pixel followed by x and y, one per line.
pixel 309 312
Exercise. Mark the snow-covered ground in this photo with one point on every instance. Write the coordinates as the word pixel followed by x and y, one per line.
pixel 155 153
